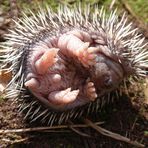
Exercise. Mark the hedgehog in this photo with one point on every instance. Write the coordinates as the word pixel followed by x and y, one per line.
pixel 70 63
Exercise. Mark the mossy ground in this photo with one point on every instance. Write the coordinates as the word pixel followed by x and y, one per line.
pixel 139 7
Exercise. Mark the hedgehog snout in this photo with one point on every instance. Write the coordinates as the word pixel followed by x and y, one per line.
pixel 108 73
pixel 108 82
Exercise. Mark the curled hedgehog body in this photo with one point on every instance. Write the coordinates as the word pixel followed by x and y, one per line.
pixel 66 64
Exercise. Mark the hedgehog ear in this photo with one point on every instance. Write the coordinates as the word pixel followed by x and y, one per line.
pixel 46 60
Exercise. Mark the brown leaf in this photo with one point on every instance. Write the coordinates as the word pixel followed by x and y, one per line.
pixel 5 77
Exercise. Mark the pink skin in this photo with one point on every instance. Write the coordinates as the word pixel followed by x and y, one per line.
pixel 76 43
pixel 55 84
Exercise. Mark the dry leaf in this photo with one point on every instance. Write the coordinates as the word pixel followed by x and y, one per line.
pixel 5 77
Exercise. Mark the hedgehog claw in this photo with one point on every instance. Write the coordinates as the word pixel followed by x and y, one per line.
pixel 46 60
pixel 32 83
pixel 91 91
pixel 56 78
pixel 86 55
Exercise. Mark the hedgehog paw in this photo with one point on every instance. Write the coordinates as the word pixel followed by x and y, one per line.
pixel 32 83
pixel 87 55
pixel 91 91
pixel 46 60
pixel 63 97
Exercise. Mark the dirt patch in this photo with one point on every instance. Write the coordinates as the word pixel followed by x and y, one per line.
pixel 121 117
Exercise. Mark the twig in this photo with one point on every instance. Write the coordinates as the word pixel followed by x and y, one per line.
pixel 14 9
pixel 133 126
pixel 112 135
pixel 141 24
pixel 19 141
pixel 77 131
pixel 112 4
pixel 44 128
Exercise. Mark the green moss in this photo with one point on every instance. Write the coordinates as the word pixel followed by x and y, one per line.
pixel 4 5
pixel 1 98
pixel 140 8
pixel 146 133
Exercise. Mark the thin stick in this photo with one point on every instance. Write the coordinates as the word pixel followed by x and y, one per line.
pixel 79 132
pixel 44 128
pixel 17 141
pixel 129 9
pixel 112 135
pixel 112 4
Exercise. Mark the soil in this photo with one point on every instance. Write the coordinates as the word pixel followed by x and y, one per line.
pixel 125 117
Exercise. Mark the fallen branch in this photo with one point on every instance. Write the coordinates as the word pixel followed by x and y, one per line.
pixel 112 135
pixel 37 129
pixel 15 141
pixel 78 131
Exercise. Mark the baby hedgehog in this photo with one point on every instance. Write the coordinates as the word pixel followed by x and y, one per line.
pixel 64 63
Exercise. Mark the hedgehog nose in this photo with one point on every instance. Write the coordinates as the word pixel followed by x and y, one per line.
pixel 108 82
